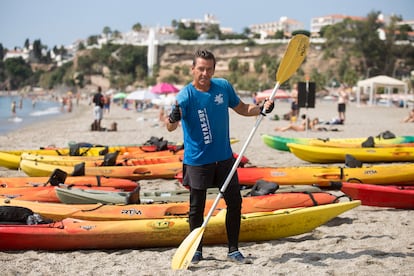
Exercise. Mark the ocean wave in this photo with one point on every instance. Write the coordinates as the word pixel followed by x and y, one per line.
pixel 48 111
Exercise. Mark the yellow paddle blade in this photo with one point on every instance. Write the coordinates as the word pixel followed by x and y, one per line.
pixel 293 57
pixel 186 250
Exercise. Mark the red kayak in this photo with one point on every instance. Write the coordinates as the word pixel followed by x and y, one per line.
pixel 401 197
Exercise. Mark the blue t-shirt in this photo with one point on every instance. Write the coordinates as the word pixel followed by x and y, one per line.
pixel 205 122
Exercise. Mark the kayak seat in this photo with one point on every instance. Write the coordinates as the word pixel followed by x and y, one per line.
pixel 58 177
pixel 110 159
pixel 262 187
pixel 79 169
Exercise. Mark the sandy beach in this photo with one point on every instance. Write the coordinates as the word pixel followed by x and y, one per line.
pixel 363 241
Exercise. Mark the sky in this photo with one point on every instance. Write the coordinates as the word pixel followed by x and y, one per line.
pixel 57 22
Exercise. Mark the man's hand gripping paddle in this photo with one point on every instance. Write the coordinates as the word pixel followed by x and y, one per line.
pixel 292 59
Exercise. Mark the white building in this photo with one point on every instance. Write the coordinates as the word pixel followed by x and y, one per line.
pixel 317 23
pixel 284 24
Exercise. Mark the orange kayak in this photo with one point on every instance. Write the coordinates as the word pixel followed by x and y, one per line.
pixel 138 172
pixel 381 174
pixel 84 181
pixel 41 194
pixel 57 211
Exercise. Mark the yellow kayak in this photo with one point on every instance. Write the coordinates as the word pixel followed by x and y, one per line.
pixel 11 158
pixel 315 154
pixel 136 172
pixel 93 161
pixel 73 234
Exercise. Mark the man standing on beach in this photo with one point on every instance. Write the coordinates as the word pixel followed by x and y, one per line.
pixel 203 108
pixel 342 101
pixel 99 101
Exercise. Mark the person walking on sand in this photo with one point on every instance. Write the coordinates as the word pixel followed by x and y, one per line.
pixel 202 106
pixel 98 100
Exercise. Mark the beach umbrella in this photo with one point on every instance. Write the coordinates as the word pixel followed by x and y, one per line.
pixel 165 100
pixel 120 95
pixel 110 92
pixel 141 95
pixel 164 88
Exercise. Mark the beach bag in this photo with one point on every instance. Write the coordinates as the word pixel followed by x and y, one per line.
pixel 14 214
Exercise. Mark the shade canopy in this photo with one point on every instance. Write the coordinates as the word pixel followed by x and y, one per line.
pixel 280 94
pixel 164 88
pixel 141 95
pixel 370 86
pixel 120 95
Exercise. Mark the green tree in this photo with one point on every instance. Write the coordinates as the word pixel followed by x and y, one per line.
pixel 233 65
pixel 137 27
pixel 107 31
pixel 213 31
pixel 245 68
pixel 116 34
pixel 186 33
pixel 246 31
pixel 1 52
pixel 27 43
pixel 37 50
pixel 258 66
pixel 92 40
pixel 18 72
pixel 318 78
pixel 279 34
pixel 360 40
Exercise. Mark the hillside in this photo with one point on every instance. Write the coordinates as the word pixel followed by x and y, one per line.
pixel 179 55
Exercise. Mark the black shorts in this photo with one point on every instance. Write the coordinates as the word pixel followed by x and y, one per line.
pixel 341 107
pixel 210 175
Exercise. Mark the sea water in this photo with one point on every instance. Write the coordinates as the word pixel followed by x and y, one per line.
pixel 27 113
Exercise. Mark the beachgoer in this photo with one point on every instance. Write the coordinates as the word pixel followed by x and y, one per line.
pixel 98 100
pixel 107 104
pixel 161 115
pixel 306 123
pixel 294 106
pixel 342 101
pixel 410 117
pixel 13 108
pixel 203 108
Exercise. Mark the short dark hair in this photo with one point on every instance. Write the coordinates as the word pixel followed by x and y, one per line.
pixel 204 54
